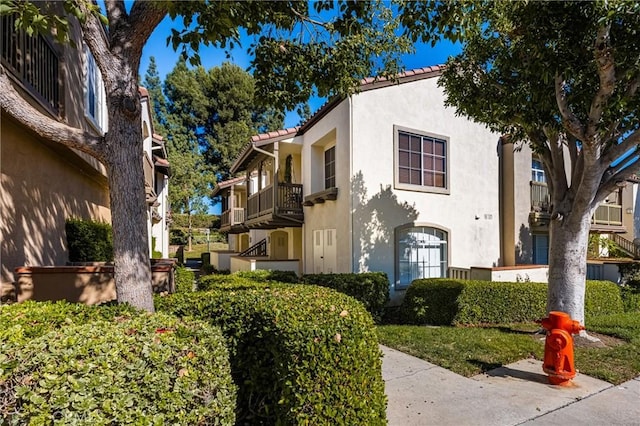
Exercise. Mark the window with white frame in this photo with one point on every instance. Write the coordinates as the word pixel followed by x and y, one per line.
pixel 421 252
pixel 330 168
pixel 537 171
pixel 95 98
pixel 421 160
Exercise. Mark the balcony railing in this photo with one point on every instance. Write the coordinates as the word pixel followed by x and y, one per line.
pixel 33 61
pixel 608 214
pixel 232 217
pixel 287 201
pixel 539 197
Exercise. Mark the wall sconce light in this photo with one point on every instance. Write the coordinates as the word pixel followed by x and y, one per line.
pixel 629 210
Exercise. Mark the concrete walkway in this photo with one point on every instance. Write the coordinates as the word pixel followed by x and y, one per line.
pixel 421 393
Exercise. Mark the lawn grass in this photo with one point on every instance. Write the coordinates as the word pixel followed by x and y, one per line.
pixel 198 249
pixel 472 350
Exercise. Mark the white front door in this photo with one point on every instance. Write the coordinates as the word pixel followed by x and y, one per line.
pixel 324 251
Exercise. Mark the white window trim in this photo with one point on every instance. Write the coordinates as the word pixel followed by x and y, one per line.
pixel 420 188
pixel 99 121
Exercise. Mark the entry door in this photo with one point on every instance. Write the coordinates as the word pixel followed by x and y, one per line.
pixel 324 251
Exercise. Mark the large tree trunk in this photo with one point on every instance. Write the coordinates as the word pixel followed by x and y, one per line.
pixel 128 214
pixel 568 266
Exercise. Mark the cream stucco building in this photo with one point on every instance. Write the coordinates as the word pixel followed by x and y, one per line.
pixel 391 180
pixel 44 183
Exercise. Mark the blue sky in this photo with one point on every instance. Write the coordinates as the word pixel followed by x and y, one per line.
pixel 166 58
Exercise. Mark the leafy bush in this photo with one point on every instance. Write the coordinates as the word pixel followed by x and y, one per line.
pixel 262 275
pixel 446 301
pixel 184 279
pixel 299 354
pixel 178 237
pixel 89 241
pixel 630 299
pixel 233 282
pixel 134 368
pixel 181 220
pixel 630 275
pixel 370 288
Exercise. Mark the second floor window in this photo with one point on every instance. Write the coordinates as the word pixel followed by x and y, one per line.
pixel 537 171
pixel 330 168
pixel 95 100
pixel 421 161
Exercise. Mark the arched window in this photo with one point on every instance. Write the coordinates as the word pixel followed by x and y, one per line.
pixel 421 252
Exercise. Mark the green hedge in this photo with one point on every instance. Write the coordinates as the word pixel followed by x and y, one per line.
pixel 299 354
pixel 71 364
pixel 631 299
pixel 184 279
pixel 370 288
pixel 233 282
pixel 89 241
pixel 445 301
pixel 263 275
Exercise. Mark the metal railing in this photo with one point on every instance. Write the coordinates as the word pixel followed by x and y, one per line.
pixel 256 250
pixel 626 245
pixel 33 61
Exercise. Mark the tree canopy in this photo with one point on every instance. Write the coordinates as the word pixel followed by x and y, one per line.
pixel 563 77
pixel 299 48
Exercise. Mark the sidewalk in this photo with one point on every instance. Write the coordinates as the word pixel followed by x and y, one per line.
pixel 421 393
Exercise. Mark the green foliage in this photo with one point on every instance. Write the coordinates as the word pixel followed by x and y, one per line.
pixel 184 279
pixel 263 275
pixel 93 368
pixel 630 299
pixel 181 220
pixel 299 354
pixel 89 241
pixel 600 244
pixel 178 237
pixel 445 301
pixel 630 275
pixel 370 288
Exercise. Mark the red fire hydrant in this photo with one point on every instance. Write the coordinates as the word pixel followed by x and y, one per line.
pixel 558 347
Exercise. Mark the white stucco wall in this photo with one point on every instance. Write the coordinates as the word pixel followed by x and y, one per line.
pixel 470 212
pixel 332 214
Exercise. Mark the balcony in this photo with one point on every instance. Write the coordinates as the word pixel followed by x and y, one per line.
pixel 277 205
pixel 232 220
pixel 33 62
pixel 607 217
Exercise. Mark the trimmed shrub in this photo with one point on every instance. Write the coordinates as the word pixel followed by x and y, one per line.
pixel 184 279
pixel 233 282
pixel 630 299
pixel 140 369
pixel 444 301
pixel 262 275
pixel 299 354
pixel 370 288
pixel 89 241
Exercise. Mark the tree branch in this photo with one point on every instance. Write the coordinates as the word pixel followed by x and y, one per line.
pixel 607 74
pixel 617 150
pixel 14 105
pixel 569 119
pixel 616 179
pixel 143 19
pixel 94 36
